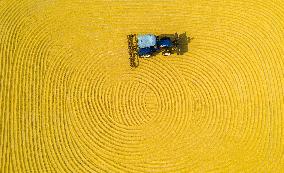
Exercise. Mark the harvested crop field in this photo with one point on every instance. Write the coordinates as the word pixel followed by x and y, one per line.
pixel 70 102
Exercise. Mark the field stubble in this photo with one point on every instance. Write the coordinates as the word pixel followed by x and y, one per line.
pixel 71 103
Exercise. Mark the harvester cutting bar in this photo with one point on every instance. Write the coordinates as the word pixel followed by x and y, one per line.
pixel 133 50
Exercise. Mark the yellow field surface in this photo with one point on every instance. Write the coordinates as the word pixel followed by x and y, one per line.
pixel 70 102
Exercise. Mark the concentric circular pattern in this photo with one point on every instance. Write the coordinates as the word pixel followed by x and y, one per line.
pixel 70 102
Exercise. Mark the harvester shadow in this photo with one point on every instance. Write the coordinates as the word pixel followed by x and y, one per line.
pixel 183 42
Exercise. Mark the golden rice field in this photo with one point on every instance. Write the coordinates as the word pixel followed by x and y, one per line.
pixel 70 102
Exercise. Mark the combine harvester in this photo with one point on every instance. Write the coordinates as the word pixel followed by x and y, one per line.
pixel 147 45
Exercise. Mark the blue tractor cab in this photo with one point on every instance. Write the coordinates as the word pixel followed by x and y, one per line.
pixel 148 44
pixel 165 42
